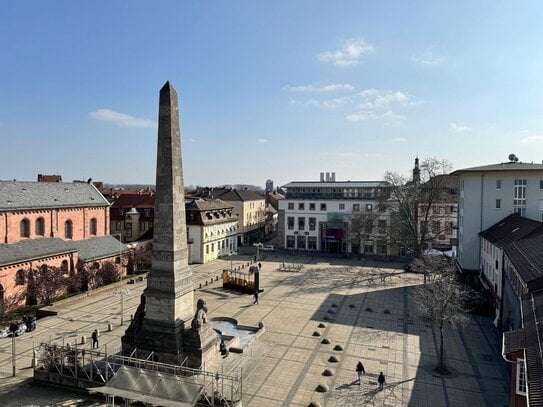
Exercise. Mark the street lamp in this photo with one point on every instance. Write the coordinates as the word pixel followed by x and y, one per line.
pixel 121 293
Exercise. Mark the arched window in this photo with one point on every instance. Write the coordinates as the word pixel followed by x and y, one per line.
pixel 93 226
pixel 25 228
pixel 20 277
pixel 40 227
pixel 68 229
pixel 64 265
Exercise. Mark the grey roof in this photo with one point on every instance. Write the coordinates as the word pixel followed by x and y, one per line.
pixel 336 184
pixel 206 204
pixel 99 247
pixel 508 166
pixel 18 195
pixel 230 195
pixel 33 249
pixel 511 229
pixel 527 256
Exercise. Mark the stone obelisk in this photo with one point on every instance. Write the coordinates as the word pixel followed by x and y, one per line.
pixel 167 303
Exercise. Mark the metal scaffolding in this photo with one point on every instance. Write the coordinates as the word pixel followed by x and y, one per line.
pixel 83 368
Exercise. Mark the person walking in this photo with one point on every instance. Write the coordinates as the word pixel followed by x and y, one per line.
pixel 94 337
pixel 381 380
pixel 259 266
pixel 255 295
pixel 360 371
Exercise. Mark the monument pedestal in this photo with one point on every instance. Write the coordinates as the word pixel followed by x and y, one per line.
pixel 201 347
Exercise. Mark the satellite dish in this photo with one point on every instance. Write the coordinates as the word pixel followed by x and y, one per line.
pixel 513 158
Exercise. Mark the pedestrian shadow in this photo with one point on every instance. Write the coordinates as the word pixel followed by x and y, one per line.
pixel 347 385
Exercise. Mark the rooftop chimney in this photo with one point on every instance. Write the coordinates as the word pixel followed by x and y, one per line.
pixel 322 176
pixel 333 177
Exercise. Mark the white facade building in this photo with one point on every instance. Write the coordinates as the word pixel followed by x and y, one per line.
pixel 316 216
pixel 212 229
pixel 489 194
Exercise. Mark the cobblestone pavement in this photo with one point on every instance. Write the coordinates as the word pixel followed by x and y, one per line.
pixel 366 314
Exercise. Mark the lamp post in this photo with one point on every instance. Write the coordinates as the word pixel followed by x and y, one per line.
pixel 121 276
pixel 13 353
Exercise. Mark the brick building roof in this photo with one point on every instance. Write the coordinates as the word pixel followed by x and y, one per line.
pixel 129 201
pixel 34 249
pixel 18 195
pixel 99 248
pixel 49 178
pixel 228 194
pixel 208 211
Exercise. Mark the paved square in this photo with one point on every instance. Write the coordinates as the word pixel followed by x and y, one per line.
pixel 365 310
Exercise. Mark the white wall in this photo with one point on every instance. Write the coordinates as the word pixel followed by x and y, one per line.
pixel 477 207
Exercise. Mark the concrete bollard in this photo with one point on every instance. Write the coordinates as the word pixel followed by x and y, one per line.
pixel 83 340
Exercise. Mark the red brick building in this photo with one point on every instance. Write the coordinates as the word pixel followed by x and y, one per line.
pixel 51 223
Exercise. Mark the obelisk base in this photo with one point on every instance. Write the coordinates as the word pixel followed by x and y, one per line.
pixel 201 347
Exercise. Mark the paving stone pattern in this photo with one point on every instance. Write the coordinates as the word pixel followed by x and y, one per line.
pixel 286 364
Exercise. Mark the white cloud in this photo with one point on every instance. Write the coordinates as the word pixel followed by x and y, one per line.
pixel 334 87
pixel 381 98
pixel 122 119
pixel 262 140
pixel 459 128
pixel 426 58
pixel 398 139
pixel 349 54
pixel 333 103
pixel 366 115
pixel 381 104
pixel 537 139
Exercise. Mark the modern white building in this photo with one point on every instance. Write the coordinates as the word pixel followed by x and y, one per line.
pixel 490 193
pixel 316 216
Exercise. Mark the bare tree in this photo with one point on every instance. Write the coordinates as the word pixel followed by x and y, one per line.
pixel 443 300
pixel 108 273
pixel 45 283
pixel 414 206
pixel 362 225
pixel 141 260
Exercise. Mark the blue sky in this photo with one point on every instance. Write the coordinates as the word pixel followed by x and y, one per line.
pixel 280 90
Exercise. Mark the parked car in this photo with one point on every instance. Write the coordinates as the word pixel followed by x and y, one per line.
pixel 30 322
pixel 268 248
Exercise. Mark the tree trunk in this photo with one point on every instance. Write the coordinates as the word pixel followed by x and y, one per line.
pixel 441 363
